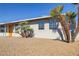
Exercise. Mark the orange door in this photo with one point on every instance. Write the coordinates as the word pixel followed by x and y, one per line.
pixel 10 29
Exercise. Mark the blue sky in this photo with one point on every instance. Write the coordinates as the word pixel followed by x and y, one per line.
pixel 12 12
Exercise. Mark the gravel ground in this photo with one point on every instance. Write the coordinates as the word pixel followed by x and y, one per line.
pixel 37 47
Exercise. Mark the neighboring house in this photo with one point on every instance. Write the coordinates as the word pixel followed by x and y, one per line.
pixel 44 27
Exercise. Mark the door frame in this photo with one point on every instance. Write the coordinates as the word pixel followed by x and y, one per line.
pixel 10 27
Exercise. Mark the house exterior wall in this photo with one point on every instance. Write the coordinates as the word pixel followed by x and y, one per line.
pixel 6 32
pixel 45 33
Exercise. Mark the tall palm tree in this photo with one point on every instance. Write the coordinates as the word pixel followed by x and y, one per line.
pixel 77 29
pixel 56 13
pixel 71 23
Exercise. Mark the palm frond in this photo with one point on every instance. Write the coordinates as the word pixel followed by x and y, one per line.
pixel 56 11
pixel 71 14
pixel 23 23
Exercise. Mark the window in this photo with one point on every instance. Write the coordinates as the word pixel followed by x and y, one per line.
pixel 53 24
pixel 16 24
pixel 41 25
pixel 17 27
pixel 2 28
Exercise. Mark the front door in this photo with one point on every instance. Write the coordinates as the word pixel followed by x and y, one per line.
pixel 10 29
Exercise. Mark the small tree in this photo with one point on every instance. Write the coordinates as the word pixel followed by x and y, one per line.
pixel 23 24
pixel 25 29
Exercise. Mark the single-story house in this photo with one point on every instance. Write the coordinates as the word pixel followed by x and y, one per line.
pixel 44 27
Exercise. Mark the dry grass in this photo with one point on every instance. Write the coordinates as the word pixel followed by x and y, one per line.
pixel 35 46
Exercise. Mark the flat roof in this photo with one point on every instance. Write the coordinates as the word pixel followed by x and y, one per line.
pixel 25 20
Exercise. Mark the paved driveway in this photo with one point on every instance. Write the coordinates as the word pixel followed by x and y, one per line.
pixel 37 46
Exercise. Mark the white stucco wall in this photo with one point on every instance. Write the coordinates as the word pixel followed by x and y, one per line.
pixel 46 33
pixel 13 34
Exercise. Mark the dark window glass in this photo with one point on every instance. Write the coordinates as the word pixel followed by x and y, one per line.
pixel 2 28
pixel 17 27
pixel 16 24
pixel 41 25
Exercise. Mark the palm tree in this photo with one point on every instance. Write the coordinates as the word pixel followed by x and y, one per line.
pixel 56 13
pixel 26 31
pixel 77 29
pixel 22 24
pixel 23 28
pixel 71 23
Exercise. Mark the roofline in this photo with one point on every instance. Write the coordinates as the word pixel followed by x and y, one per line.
pixel 25 20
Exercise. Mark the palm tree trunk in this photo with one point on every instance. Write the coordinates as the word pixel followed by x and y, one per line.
pixel 77 29
pixel 65 27
pixel 78 19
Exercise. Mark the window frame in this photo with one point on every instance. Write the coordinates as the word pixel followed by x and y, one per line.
pixel 41 25
pixel 53 24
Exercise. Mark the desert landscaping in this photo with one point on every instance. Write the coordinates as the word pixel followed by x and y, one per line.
pixel 16 46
